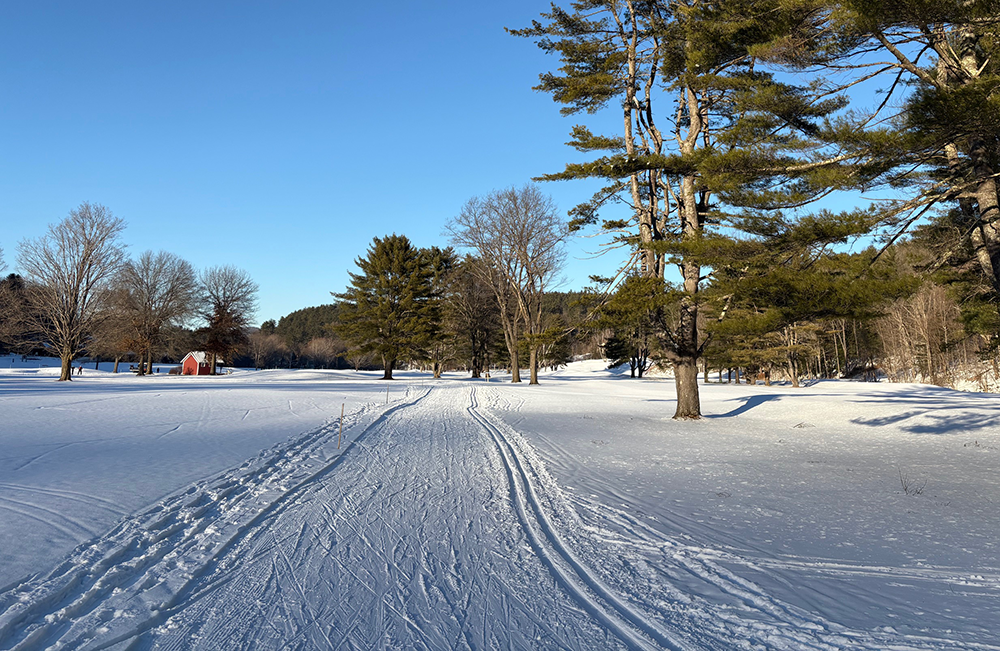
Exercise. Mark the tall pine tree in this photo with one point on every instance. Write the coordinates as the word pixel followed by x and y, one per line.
pixel 731 146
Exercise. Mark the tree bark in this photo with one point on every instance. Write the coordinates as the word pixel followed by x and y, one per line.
pixel 686 337
pixel 388 365
pixel 533 364
pixel 66 368
pixel 686 378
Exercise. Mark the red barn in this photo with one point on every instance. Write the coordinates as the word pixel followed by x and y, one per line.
pixel 196 363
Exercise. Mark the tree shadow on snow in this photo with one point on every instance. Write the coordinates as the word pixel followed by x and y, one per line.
pixel 935 410
pixel 749 402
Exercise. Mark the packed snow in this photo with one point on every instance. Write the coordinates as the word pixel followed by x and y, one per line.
pixel 219 512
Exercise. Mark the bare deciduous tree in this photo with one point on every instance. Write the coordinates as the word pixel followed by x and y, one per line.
pixel 230 303
pixel 266 349
pixel 155 290
pixel 323 351
pixel 471 317
pixel 518 238
pixel 68 271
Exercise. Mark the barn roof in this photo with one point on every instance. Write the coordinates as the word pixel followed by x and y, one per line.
pixel 200 356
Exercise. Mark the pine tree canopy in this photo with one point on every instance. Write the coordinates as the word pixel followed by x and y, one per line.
pixel 390 308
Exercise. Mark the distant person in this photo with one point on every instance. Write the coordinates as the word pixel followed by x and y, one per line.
pixel 79 370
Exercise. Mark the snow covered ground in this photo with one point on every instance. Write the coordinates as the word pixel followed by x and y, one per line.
pixel 141 513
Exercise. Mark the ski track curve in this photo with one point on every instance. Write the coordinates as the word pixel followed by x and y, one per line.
pixel 652 574
pixel 121 583
pixel 435 526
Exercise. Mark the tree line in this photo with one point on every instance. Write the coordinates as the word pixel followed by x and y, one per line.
pixel 80 294
pixel 736 119
pixel 490 305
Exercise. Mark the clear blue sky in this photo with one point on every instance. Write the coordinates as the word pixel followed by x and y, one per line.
pixel 279 137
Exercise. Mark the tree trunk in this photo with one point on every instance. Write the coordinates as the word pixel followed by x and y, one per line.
pixel 117 359
pixel 686 336
pixel 686 379
pixel 211 370
pixel 533 365
pixel 437 370
pixel 66 369
pixel 388 365
pixel 515 367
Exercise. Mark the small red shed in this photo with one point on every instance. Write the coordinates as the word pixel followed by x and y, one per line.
pixel 196 363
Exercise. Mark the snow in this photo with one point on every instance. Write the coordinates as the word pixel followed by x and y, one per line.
pixel 216 512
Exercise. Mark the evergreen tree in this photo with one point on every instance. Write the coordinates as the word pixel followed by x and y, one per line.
pixel 443 263
pixel 388 309
pixel 300 327
pixel 631 317
pixel 14 305
pixel 224 336
pixel 555 347
pixel 770 314
pixel 735 145
pixel 933 138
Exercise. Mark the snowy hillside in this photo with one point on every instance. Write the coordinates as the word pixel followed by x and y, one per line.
pixel 138 513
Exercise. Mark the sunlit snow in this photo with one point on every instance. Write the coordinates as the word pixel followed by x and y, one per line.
pixel 218 512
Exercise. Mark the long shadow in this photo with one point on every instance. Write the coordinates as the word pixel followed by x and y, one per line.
pixel 969 411
pixel 749 403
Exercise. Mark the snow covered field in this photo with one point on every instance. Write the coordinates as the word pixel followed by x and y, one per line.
pixel 142 513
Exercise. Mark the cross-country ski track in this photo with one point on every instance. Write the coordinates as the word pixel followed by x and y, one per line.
pixel 435 525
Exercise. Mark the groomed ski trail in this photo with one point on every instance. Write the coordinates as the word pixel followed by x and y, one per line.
pixel 435 527
pixel 127 580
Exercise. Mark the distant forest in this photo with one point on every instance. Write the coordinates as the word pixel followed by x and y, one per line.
pixel 306 338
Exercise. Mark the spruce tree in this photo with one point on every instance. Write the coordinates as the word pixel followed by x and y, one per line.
pixel 389 308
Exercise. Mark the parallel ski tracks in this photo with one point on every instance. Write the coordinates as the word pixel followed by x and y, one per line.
pixel 155 564
pixel 158 553
pixel 590 592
